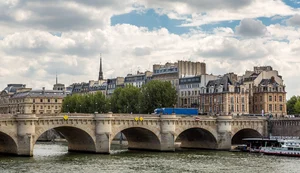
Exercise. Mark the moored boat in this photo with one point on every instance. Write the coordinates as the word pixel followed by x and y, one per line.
pixel 288 148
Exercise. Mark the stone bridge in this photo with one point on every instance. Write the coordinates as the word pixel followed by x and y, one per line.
pixel 95 132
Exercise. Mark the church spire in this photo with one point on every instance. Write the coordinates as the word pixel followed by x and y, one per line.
pixel 100 70
pixel 56 78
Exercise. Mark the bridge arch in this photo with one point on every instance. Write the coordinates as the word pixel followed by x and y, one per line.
pixel 79 139
pixel 237 138
pixel 197 137
pixel 8 144
pixel 140 138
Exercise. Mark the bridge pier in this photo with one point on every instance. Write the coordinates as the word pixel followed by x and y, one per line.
pixel 25 132
pixel 224 132
pixel 103 132
pixel 167 141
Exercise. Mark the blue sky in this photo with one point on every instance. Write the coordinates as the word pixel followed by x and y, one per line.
pixel 152 20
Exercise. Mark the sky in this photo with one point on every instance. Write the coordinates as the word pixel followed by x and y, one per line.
pixel 39 38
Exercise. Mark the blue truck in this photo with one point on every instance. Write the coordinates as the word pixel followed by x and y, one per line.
pixel 178 111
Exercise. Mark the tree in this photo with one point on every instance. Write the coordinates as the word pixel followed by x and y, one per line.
pixel 156 94
pixel 291 104
pixel 88 103
pixel 297 107
pixel 125 100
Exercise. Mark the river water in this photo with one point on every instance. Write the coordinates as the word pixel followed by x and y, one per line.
pixel 54 158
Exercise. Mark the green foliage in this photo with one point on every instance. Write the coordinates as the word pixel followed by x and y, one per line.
pixel 88 103
pixel 125 100
pixel 157 94
pixel 297 107
pixel 291 104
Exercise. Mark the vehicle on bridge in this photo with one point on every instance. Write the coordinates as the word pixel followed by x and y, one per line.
pixel 177 111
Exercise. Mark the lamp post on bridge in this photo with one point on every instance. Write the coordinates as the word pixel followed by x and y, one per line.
pixel 96 107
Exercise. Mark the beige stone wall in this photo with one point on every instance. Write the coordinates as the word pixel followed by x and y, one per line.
pixel 37 105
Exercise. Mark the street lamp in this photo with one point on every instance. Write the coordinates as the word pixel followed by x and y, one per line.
pixel 96 107
pixel 109 107
pixel 68 108
pixel 80 109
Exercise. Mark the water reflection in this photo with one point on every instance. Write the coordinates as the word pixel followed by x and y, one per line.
pixel 50 157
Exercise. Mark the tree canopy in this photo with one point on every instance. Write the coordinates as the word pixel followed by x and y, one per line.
pixel 88 103
pixel 125 100
pixel 292 105
pixel 156 94
pixel 129 99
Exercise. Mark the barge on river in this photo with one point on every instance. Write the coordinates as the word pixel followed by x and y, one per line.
pixel 288 148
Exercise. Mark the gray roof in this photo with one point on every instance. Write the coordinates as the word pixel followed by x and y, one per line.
pixel 225 81
pixel 40 93
pixel 267 82
pixel 12 88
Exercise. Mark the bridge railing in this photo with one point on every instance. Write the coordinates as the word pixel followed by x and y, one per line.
pixel 4 116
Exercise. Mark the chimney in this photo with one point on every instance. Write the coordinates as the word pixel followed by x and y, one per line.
pixel 43 91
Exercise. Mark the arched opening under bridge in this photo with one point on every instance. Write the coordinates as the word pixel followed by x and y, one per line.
pixel 138 138
pixel 7 144
pixel 244 133
pixel 70 139
pixel 196 138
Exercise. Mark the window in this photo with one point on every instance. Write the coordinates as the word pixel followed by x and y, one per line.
pixel 261 99
pixel 243 100
pixel 48 107
pixel 48 100
pixel 281 107
pixel 232 100
pixel 270 98
pixel 41 100
pixel 243 108
pixel 280 98
pixel 275 98
pixel 270 107
pixel 33 100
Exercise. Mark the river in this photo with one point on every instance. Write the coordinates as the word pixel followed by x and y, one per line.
pixel 54 158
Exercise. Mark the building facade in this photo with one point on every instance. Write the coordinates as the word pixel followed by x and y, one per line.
pixel 137 80
pixel 190 90
pixel 223 97
pixel 7 93
pixel 113 84
pixel 27 101
pixel 173 71
pixel 267 93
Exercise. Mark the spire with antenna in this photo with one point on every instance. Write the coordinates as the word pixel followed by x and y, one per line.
pixel 100 70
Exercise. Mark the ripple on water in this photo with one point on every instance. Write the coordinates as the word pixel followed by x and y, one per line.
pixel 55 158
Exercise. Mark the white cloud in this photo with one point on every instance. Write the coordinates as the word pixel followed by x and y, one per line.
pixel 198 13
pixel 294 20
pixel 117 44
pixel 251 28
pixel 39 39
